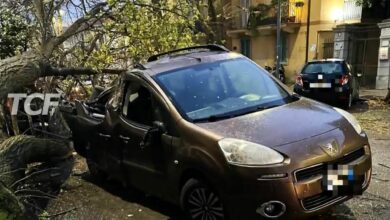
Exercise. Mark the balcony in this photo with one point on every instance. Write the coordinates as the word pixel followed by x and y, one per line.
pixel 351 11
pixel 266 14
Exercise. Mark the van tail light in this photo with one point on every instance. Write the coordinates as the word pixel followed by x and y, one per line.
pixel 344 80
pixel 298 80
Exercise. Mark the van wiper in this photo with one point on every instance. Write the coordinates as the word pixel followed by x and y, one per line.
pixel 267 107
pixel 213 118
pixel 256 109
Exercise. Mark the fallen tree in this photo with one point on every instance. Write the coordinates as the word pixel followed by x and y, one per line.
pixel 25 190
pixel 32 169
pixel 31 172
pixel 21 71
pixel 20 195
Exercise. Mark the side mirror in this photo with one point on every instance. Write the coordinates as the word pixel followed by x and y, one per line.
pixel 153 135
pixel 159 126
pixel 359 75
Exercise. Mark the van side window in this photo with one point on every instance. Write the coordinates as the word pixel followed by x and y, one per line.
pixel 137 106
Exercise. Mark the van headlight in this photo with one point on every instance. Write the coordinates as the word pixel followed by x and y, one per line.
pixel 240 152
pixel 351 119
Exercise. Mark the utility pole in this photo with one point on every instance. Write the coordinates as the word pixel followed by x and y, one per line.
pixel 308 31
pixel 278 35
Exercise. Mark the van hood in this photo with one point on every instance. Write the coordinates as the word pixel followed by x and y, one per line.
pixel 281 125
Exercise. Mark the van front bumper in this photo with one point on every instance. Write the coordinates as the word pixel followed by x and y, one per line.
pixel 302 198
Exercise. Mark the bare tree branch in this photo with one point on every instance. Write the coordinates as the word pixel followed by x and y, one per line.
pixel 73 29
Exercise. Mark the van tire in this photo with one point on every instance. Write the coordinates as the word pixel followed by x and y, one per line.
pixel 197 199
pixel 94 169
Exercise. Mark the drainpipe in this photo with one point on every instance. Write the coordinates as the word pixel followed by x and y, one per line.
pixel 278 36
pixel 308 31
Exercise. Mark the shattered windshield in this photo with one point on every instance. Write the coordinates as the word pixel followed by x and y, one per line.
pixel 221 89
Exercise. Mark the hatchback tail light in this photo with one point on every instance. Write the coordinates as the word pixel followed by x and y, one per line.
pixel 344 80
pixel 298 80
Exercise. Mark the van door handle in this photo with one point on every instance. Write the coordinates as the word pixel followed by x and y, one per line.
pixel 124 138
pixel 104 135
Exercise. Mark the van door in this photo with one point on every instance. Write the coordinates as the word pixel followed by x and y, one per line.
pixel 144 161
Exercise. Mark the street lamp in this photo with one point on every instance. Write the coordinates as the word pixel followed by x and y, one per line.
pixel 278 35
pixel 308 31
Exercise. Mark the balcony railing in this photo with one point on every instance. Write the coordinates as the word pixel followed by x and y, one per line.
pixel 263 14
pixel 351 11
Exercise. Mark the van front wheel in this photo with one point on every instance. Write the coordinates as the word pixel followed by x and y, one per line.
pixel 199 201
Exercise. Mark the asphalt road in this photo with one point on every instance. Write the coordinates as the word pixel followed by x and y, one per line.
pixel 85 198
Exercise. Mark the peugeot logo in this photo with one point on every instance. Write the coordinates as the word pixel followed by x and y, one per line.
pixel 332 149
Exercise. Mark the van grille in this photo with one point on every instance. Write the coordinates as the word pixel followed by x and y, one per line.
pixel 325 197
pixel 351 157
pixel 318 200
pixel 321 169
pixel 310 172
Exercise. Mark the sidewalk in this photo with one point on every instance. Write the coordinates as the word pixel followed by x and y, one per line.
pixel 370 93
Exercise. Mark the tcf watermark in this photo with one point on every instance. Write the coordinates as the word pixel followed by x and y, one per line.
pixel 49 100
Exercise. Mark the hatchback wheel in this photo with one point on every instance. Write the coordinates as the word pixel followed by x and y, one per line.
pixel 201 202
pixel 282 78
pixel 347 104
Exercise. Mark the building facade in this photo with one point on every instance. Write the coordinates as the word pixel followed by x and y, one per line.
pixel 253 31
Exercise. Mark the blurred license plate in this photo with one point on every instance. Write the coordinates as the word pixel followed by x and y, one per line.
pixel 320 85
pixel 342 180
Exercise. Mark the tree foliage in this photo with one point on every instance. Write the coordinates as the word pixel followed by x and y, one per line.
pixel 13 32
pixel 364 3
pixel 136 30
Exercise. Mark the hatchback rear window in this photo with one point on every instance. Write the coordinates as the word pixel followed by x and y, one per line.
pixel 324 68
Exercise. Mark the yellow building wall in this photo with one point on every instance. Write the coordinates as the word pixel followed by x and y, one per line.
pixel 321 19
pixel 297 46
pixel 263 50
pixel 263 47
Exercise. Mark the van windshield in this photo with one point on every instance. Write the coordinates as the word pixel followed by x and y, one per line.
pixel 324 68
pixel 222 89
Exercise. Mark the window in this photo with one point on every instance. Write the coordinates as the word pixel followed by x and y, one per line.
pixel 137 106
pixel 325 68
pixel 246 47
pixel 116 98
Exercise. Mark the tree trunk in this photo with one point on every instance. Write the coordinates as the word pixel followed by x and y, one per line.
pixel 18 180
pixel 387 99
pixel 21 71
pixel 10 207
pixel 18 72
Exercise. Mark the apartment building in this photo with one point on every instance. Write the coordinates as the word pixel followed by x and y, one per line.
pixel 253 30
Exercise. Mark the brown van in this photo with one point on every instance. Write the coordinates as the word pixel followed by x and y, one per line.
pixel 211 131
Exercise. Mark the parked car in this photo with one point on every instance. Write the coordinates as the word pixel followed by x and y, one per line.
pixel 329 80
pixel 211 131
pixel 281 76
